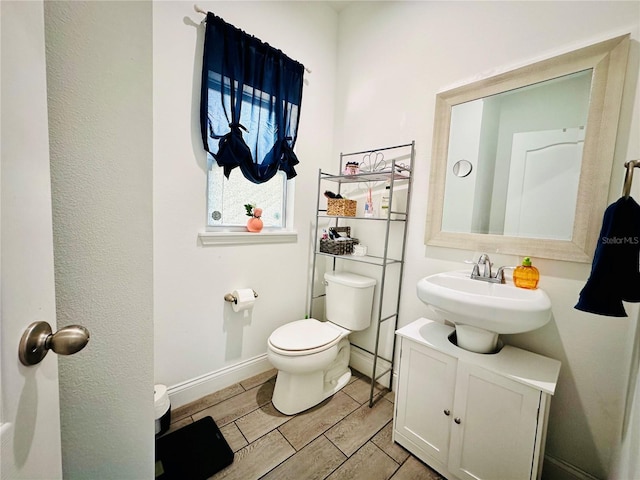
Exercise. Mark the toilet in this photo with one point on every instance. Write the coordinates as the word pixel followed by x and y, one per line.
pixel 312 357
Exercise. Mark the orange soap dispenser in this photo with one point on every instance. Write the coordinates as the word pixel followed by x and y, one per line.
pixel 526 275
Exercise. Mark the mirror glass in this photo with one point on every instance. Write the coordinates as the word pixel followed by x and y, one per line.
pixel 521 161
pixel 527 147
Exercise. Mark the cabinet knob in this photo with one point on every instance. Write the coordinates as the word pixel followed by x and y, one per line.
pixel 457 420
pixel 447 412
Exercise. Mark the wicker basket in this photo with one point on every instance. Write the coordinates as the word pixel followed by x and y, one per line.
pixel 337 247
pixel 343 246
pixel 341 207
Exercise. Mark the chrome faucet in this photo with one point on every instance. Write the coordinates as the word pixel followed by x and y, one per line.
pixel 486 267
pixel 486 271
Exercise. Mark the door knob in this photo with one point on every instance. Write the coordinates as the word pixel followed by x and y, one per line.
pixel 38 339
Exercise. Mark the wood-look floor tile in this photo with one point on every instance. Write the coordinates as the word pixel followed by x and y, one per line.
pixel 383 439
pixel 356 444
pixel 358 427
pixel 355 375
pixel 368 463
pixel 260 421
pixel 206 401
pixel 313 462
pixel 414 469
pixel 257 458
pixel 235 407
pixel 233 436
pixel 259 379
pixel 361 389
pixel 306 426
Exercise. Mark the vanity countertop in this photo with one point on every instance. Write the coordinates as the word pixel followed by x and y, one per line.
pixel 520 365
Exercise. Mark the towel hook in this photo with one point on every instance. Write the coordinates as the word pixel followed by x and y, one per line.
pixel 628 176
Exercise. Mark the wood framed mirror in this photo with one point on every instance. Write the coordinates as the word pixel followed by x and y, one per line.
pixel 540 141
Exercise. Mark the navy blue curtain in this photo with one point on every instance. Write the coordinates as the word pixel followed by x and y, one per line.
pixel 250 103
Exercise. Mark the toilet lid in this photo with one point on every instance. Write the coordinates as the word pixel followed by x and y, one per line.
pixel 303 335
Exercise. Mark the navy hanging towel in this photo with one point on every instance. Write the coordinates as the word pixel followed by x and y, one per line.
pixel 615 272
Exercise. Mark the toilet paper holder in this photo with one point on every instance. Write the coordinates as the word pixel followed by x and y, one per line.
pixel 229 297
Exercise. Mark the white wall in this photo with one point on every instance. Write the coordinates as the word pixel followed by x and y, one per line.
pixel 100 121
pixel 196 332
pixel 393 59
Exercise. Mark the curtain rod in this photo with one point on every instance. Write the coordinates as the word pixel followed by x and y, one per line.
pixel 204 12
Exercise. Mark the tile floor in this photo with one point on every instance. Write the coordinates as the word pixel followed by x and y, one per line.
pixel 342 438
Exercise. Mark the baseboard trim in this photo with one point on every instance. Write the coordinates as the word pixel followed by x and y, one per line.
pixel 195 388
pixel 569 471
pixel 363 362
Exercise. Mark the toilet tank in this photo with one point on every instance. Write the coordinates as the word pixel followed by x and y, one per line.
pixel 349 299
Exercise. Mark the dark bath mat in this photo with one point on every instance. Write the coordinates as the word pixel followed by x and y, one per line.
pixel 194 452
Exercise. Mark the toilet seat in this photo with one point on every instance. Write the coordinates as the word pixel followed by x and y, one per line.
pixel 305 337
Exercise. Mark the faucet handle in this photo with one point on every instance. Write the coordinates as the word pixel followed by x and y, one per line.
pixel 500 273
pixel 475 272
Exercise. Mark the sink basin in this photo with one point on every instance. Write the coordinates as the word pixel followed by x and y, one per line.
pixel 482 310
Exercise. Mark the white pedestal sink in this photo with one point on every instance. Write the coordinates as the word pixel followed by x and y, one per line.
pixel 481 310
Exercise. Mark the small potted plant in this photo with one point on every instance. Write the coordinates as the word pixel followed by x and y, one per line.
pixel 254 224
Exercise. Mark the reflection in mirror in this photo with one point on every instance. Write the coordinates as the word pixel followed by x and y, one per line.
pixel 541 141
pixel 462 168
pixel 527 145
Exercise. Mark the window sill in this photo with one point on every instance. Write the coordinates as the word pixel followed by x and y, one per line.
pixel 247 238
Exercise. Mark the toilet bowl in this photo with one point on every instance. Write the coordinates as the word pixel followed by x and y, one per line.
pixel 312 357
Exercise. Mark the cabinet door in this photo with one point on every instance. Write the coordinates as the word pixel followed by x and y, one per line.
pixel 494 428
pixel 425 399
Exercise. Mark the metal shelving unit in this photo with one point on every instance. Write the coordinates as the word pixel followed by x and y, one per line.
pixel 395 171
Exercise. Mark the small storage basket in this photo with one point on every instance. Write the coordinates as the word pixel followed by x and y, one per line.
pixel 341 246
pixel 341 207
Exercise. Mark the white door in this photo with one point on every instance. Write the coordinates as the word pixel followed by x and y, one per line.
pixel 29 413
pixel 543 183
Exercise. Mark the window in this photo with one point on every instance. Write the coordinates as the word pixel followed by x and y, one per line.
pixel 226 199
pixel 250 108
pixel 226 196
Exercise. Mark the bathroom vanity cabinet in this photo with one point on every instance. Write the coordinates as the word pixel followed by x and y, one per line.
pixel 383 231
pixel 469 415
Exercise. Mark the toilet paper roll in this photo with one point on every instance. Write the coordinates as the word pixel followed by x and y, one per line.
pixel 244 299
